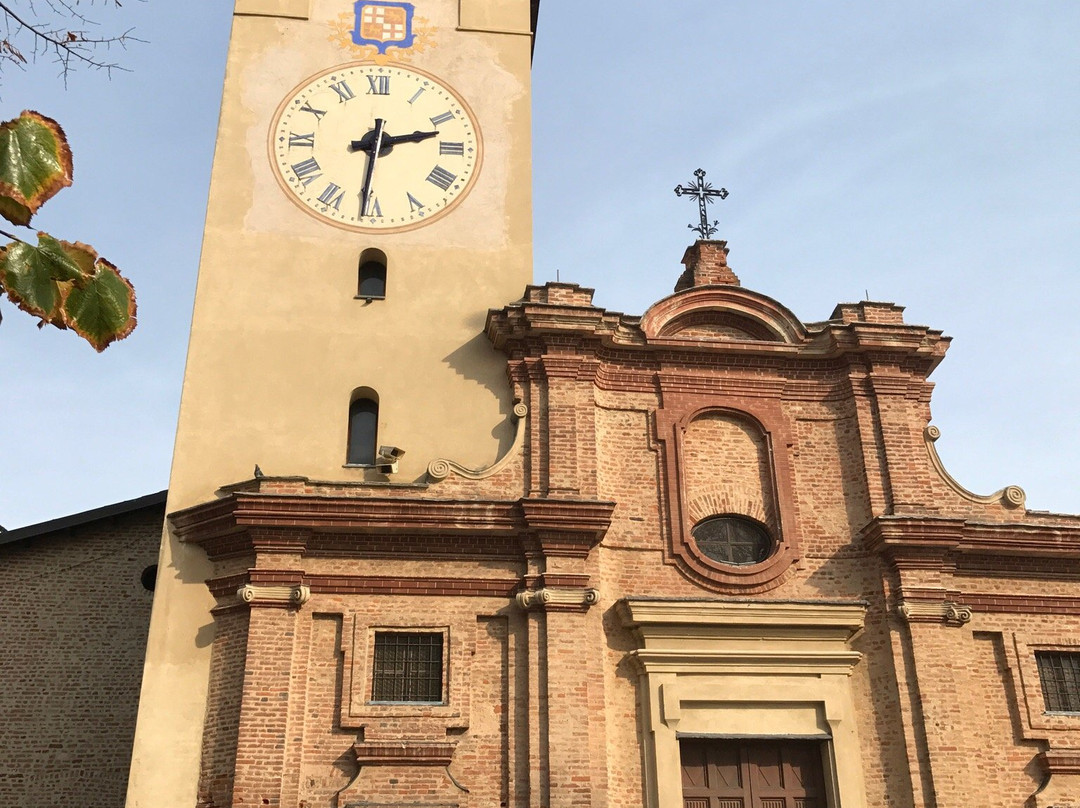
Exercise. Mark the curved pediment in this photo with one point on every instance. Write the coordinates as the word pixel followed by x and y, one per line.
pixel 722 314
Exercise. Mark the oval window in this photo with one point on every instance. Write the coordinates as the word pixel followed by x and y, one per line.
pixel 733 540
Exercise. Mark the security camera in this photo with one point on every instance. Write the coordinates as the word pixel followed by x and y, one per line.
pixel 387 460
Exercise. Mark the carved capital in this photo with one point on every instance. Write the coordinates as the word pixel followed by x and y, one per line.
pixel 279 596
pixel 945 611
pixel 551 599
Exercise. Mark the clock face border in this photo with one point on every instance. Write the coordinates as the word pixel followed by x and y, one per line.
pixel 287 188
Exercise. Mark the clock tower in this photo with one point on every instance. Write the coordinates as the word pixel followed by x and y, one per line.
pixel 369 203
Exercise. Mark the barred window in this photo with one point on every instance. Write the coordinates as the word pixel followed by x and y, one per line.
pixel 408 666
pixel 1059 673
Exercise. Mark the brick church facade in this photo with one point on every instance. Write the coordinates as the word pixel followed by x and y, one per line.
pixel 720 564
pixel 705 557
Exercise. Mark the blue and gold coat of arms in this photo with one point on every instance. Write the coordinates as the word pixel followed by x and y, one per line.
pixel 383 24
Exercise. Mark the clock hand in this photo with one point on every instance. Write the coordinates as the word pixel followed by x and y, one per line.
pixel 389 141
pixel 372 150
pixel 415 137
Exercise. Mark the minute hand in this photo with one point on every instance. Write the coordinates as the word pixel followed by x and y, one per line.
pixel 391 140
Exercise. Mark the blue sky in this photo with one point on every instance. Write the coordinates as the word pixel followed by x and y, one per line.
pixel 924 153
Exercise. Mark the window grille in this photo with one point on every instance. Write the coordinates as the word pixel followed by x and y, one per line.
pixel 1059 673
pixel 734 540
pixel 408 666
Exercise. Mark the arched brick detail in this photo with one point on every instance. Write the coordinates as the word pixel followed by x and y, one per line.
pixel 685 507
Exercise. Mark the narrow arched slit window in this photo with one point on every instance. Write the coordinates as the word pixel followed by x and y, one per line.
pixel 372 281
pixel 363 428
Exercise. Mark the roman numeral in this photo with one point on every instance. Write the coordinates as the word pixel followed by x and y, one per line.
pixel 302 140
pixel 378 85
pixel 443 118
pixel 417 94
pixel 414 203
pixel 343 90
pixel 441 177
pixel 327 197
pixel 451 148
pixel 374 208
pixel 318 113
pixel 307 170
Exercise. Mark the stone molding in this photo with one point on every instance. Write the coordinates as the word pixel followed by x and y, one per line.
pixel 738 667
pixel 280 596
pixel 441 468
pixel 945 611
pixel 551 599
pixel 1011 496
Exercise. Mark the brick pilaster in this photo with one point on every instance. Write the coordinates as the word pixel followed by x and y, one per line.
pixel 706 265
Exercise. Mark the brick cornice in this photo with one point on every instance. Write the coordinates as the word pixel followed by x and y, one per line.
pixel 927 542
pixel 1060 761
pixel 404 753
pixel 566 527
pixel 251 522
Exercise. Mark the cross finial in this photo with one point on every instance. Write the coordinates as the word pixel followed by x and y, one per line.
pixel 704 193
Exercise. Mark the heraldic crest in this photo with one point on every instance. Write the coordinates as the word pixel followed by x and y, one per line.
pixel 383 24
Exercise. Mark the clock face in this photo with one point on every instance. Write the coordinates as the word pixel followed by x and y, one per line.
pixel 375 148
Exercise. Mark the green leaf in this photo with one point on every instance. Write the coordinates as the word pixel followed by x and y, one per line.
pixel 102 309
pixel 35 163
pixel 37 279
pixel 69 286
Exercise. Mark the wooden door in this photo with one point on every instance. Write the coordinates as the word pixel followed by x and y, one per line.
pixel 722 773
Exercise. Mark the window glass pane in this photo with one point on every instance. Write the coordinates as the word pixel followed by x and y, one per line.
pixel 733 540
pixel 363 429
pixel 372 279
pixel 407 666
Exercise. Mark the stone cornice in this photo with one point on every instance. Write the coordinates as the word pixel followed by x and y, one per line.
pixel 742 636
pixel 832 617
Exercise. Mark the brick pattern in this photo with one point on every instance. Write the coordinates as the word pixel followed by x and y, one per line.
pixel 717 400
pixel 73 637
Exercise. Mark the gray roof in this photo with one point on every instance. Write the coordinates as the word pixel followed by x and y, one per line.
pixel 75 520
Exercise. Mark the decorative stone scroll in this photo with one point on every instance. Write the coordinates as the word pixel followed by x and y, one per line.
pixel 550 599
pixel 438 470
pixel 945 611
pixel 1011 496
pixel 281 596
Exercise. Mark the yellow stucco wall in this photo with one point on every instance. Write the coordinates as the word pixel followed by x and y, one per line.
pixel 278 341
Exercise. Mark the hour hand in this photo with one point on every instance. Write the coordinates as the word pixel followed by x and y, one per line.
pixel 415 137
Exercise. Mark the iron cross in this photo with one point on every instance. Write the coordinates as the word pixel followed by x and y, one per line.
pixel 704 192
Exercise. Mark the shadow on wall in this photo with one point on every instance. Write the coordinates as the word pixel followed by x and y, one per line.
pixel 477 361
